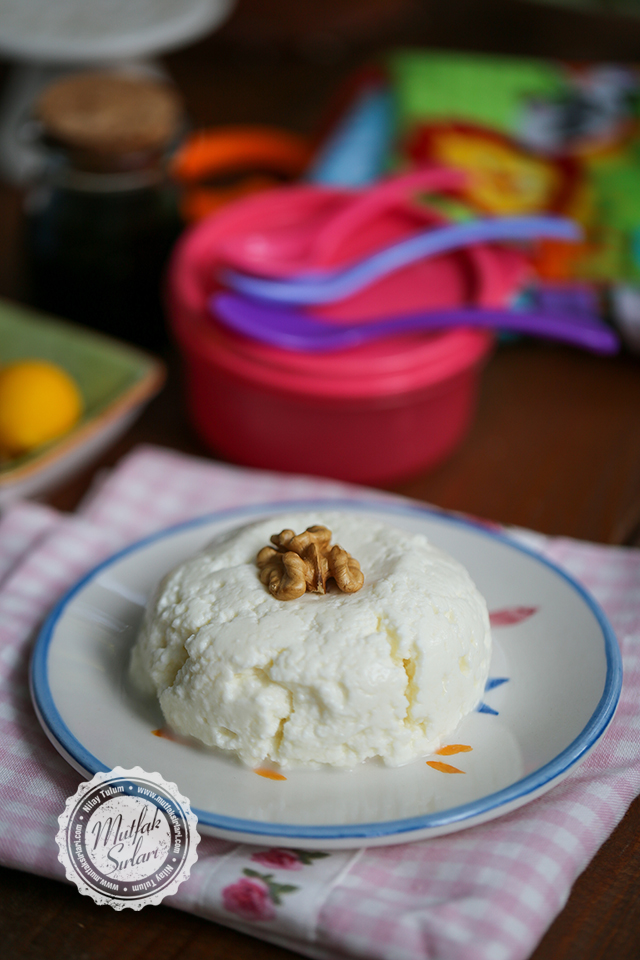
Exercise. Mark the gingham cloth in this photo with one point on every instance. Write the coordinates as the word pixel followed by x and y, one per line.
pixel 487 893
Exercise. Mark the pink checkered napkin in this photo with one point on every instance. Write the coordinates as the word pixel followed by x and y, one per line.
pixel 487 893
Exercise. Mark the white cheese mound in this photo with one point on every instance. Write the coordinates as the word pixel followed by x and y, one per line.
pixel 386 672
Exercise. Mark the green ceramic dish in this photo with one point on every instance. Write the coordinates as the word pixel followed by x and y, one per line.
pixel 115 380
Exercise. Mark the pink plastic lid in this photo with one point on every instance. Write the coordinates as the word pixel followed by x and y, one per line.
pixel 399 365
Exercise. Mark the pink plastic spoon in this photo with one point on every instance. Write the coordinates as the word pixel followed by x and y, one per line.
pixel 304 227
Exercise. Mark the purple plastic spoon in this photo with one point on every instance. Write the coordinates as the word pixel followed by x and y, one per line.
pixel 294 330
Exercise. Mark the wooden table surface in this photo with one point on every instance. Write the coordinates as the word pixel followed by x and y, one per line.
pixel 555 445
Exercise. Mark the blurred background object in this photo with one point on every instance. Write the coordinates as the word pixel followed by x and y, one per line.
pixel 602 6
pixel 218 165
pixel 308 83
pixel 114 382
pixel 73 31
pixel 102 216
pixel 44 39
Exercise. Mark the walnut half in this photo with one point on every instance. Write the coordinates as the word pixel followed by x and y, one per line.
pixel 303 562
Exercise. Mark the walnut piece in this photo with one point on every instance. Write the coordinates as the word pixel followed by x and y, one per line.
pixel 345 570
pixel 303 562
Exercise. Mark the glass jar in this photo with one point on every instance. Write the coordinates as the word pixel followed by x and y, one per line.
pixel 101 222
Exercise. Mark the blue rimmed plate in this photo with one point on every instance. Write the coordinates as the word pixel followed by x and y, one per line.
pixel 554 685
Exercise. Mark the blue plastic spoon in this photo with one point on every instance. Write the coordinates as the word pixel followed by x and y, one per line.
pixel 330 285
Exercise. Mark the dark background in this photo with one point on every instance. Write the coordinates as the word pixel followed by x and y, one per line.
pixel 556 445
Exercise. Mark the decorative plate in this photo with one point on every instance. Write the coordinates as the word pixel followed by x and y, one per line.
pixel 553 688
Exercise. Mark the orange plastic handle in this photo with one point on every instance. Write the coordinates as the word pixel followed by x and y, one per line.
pixel 198 202
pixel 206 153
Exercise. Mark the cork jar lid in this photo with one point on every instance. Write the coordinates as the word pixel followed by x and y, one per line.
pixel 110 113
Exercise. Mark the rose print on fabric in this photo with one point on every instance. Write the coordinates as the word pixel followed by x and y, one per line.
pixel 249 899
pixel 276 857
pixel 286 859
pixel 255 897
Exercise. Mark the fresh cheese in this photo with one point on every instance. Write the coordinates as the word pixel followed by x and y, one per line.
pixel 336 679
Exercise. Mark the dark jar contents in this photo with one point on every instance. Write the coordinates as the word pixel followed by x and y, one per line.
pixel 101 224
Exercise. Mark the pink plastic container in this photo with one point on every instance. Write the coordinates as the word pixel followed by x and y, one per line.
pixel 372 414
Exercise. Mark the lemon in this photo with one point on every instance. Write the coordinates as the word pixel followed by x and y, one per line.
pixel 39 401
